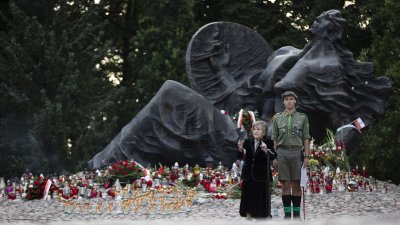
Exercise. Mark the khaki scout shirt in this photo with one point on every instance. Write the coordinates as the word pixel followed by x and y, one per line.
pixel 300 129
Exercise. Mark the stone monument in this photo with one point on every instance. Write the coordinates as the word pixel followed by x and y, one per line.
pixel 231 67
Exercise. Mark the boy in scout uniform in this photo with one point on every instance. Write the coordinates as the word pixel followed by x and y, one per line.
pixel 290 133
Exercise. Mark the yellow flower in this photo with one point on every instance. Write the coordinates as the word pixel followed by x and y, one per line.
pixel 313 162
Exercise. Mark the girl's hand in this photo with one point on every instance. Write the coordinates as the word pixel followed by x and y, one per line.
pixel 263 146
pixel 240 145
pixel 275 163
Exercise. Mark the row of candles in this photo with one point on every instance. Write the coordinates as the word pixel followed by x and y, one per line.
pixel 163 199
pixel 327 181
pixel 96 185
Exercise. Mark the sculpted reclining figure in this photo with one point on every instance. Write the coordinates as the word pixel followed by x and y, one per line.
pixel 230 67
pixel 234 68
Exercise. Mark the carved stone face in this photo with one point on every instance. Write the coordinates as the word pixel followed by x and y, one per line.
pixel 328 25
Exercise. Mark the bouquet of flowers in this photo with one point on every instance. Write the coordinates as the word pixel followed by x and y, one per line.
pixel 191 181
pixel 126 171
pixel 36 188
pixel 161 172
pixel 244 120
pixel 329 154
pixel 235 192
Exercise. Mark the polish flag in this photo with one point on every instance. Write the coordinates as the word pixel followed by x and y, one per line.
pixel 240 117
pixel 253 117
pixel 46 189
pixel 359 123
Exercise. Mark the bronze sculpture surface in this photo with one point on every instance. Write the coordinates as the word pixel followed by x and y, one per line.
pixel 230 67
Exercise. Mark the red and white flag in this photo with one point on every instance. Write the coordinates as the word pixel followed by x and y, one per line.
pixel 359 123
pixel 46 189
pixel 240 117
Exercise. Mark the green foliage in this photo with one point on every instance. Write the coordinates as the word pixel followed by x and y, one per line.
pixel 266 17
pixel 161 44
pixel 150 38
pixel 193 181
pixel 379 149
pixel 329 154
pixel 47 61
pixel 235 192
pixel 10 163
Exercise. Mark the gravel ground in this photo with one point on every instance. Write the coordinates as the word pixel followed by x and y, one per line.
pixel 333 208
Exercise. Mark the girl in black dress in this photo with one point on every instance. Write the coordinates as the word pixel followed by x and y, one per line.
pixel 256 173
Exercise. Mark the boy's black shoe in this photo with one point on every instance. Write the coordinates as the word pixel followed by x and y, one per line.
pixel 296 216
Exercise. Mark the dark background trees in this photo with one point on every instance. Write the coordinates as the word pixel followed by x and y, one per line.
pixel 72 73
pixel 50 90
pixel 380 147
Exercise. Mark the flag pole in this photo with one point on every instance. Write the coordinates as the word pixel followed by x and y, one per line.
pixel 303 184
pixel 304 204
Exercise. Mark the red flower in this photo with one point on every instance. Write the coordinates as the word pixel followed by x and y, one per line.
pixel 65 196
pixel 111 193
pixel 94 193
pixel 124 173
pixel 160 170
pixel 174 176
pixel 328 188
pixel 313 151
pixel 11 196
pixel 107 185
pixel 207 185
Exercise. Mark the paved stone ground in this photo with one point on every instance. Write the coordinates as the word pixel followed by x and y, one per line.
pixel 334 208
